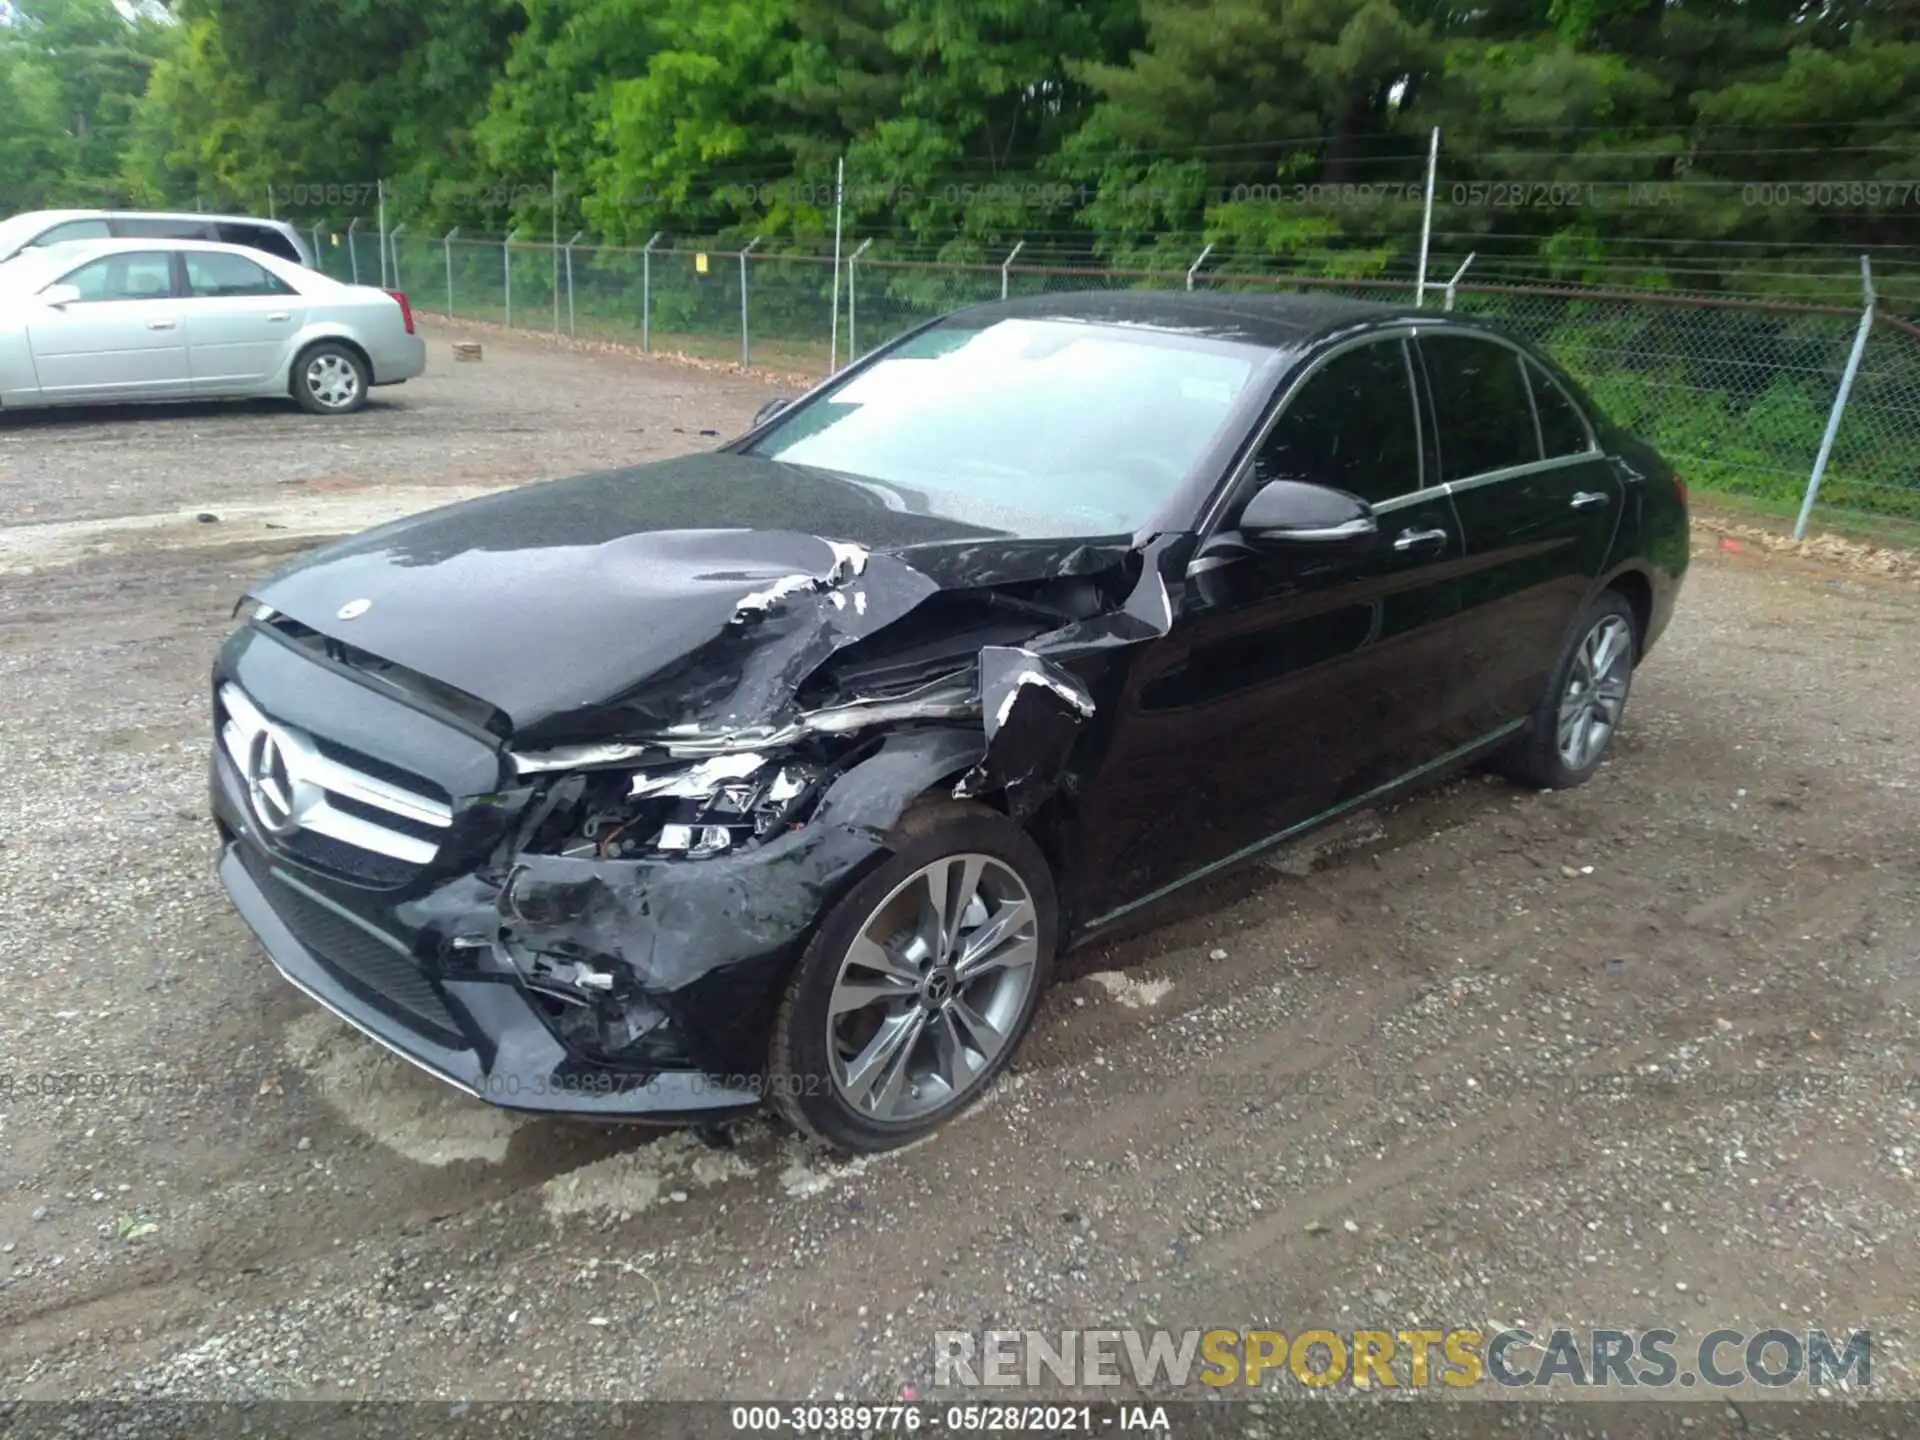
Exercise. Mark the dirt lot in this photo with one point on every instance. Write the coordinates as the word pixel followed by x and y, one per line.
pixel 1344 1091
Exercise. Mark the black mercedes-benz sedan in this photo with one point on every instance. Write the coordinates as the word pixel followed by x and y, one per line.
pixel 781 774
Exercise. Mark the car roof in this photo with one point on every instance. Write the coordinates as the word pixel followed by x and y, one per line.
pixel 69 249
pixel 1271 320
pixel 61 216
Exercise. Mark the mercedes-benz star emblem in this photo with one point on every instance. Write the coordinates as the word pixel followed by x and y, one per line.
pixel 353 610
pixel 269 786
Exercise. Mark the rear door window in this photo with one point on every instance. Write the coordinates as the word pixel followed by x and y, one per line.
pixel 216 274
pixel 1484 414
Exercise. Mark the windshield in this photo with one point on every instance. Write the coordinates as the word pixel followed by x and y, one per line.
pixel 1038 428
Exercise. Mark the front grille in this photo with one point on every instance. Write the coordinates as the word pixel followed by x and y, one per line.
pixel 352 814
pixel 373 968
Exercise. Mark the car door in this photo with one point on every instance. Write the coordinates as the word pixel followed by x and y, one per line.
pixel 120 340
pixel 241 319
pixel 1289 685
pixel 1538 505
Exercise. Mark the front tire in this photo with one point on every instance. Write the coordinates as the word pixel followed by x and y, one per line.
pixel 918 985
pixel 1578 716
pixel 330 379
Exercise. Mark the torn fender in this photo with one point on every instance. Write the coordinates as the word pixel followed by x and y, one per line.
pixel 1031 711
pixel 1033 707
pixel 671 922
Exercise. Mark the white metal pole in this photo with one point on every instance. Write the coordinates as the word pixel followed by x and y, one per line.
pixel 1194 268
pixel 446 244
pixel 1839 400
pixel 506 263
pixel 1426 219
pixel 381 222
pixel 353 250
pixel 394 242
pixel 646 294
pixel 1007 264
pixel 553 255
pixel 270 212
pixel 573 320
pixel 853 291
pixel 1456 276
pixel 745 250
pixel 839 198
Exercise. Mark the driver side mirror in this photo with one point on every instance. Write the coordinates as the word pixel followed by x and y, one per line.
pixel 772 408
pixel 58 297
pixel 1294 514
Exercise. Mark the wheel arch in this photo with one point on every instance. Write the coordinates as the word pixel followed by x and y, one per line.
pixel 305 346
pixel 1635 585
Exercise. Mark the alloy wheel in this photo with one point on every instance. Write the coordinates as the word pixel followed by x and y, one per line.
pixel 332 380
pixel 932 990
pixel 1596 692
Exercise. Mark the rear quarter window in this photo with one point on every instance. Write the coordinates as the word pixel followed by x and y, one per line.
pixel 263 238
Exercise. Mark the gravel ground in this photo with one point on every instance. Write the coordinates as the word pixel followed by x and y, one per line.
pixel 1354 1087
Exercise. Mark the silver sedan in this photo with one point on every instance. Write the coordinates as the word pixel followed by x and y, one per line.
pixel 111 321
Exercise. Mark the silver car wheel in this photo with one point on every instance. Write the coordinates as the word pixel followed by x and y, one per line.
pixel 933 989
pixel 1596 692
pixel 332 381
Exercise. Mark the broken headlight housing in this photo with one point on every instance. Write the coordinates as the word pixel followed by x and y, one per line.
pixel 693 811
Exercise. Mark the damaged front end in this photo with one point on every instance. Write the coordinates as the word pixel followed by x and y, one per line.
pixel 607 920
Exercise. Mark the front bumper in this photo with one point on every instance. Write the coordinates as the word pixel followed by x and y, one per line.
pixel 482 1034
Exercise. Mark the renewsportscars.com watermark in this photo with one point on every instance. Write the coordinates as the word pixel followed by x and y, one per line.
pixel 1459 1359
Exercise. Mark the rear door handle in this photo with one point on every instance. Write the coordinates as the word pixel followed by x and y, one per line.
pixel 161 324
pixel 278 316
pixel 1419 539
pixel 1590 500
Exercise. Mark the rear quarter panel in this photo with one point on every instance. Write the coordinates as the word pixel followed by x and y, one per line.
pixel 370 321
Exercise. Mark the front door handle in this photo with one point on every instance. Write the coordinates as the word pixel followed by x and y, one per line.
pixel 1419 540
pixel 161 324
pixel 278 316
pixel 1590 500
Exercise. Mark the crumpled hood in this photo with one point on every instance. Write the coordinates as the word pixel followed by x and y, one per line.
pixel 694 592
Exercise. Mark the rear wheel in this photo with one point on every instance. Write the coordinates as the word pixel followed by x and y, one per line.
pixel 918 985
pixel 1577 717
pixel 330 379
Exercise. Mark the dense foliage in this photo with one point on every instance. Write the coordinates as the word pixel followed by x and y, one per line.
pixel 1682 142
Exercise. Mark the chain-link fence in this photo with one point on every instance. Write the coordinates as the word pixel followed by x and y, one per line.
pixel 1739 393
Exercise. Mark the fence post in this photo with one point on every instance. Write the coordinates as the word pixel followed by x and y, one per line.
pixel 1840 399
pixel 1006 265
pixel 573 322
pixel 446 244
pixel 353 250
pixel 1456 277
pixel 746 250
pixel 318 262
pixel 380 189
pixel 646 294
pixel 1426 219
pixel 393 245
pixel 1194 268
pixel 506 260
pixel 839 217
pixel 853 347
